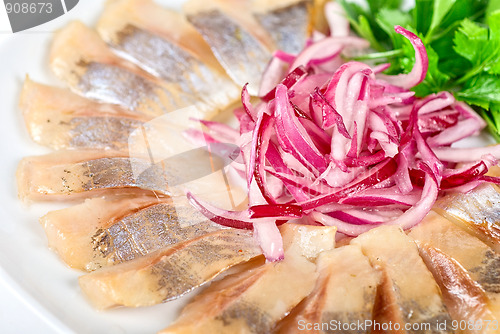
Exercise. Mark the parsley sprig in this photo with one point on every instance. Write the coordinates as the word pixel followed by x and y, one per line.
pixel 462 38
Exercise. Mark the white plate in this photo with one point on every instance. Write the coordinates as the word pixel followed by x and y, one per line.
pixel 32 271
pixel 27 266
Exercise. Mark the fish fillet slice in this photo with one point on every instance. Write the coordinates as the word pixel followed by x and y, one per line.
pixel 77 174
pixel 253 300
pixel 60 119
pixel 408 292
pixel 237 40
pixel 344 293
pixel 287 21
pixel 82 59
pixel 163 43
pixel 169 273
pixel 102 232
pixel 478 260
pixel 464 298
pixel 476 211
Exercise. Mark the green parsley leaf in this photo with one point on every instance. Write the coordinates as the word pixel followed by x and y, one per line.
pixel 441 8
pixel 388 18
pixel 422 15
pixel 492 120
pixel 493 6
pixel 376 5
pixel 482 90
pixel 470 40
pixel 364 30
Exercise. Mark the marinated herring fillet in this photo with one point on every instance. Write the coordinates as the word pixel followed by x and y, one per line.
pixel 287 21
pixel 164 44
pixel 464 297
pixel 102 232
pixel 82 59
pixel 170 272
pixel 254 300
pixel 239 43
pixel 60 119
pixel 478 260
pixel 344 294
pixel 408 292
pixel 477 211
pixel 81 174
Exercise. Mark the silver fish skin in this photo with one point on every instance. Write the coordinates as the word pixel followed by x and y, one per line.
pixel 162 43
pixel 60 119
pixel 170 272
pixel 287 23
pixel 476 211
pixel 82 59
pixel 478 260
pixel 408 293
pixel 82 174
pixel 464 298
pixel 344 294
pixel 235 39
pixel 120 229
pixel 254 299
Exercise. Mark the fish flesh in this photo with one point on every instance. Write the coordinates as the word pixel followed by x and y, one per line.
pixel 106 231
pixel 344 294
pixel 253 300
pixel 478 260
pixel 67 228
pixel 288 22
pixel 170 272
pixel 465 300
pixel 243 34
pixel 164 44
pixel 80 174
pixel 238 41
pixel 81 58
pixel 60 119
pixel 476 211
pixel 408 293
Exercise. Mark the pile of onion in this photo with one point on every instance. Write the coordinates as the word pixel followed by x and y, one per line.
pixel 340 144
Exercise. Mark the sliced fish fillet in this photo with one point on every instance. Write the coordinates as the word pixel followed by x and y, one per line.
pixel 82 59
pixel 163 43
pixel 60 119
pixel 254 300
pixel 344 295
pixel 476 211
pixel 169 273
pixel 287 21
pixel 408 292
pixel 238 41
pixel 102 232
pixel 80 174
pixel 464 298
pixel 478 261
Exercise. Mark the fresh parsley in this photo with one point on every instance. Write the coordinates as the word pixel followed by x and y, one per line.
pixel 462 38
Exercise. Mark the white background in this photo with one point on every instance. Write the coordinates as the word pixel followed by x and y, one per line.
pixel 15 315
pixel 4 21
